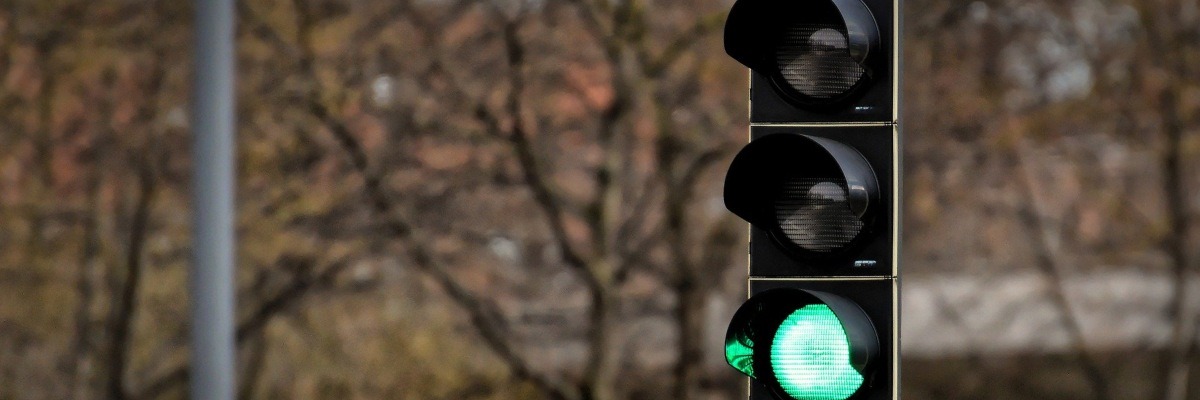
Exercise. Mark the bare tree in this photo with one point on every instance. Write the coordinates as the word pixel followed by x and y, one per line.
pixel 624 223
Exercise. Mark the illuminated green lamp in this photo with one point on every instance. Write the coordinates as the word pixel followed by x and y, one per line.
pixel 810 345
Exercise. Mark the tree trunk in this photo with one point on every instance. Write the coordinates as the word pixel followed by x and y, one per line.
pixel 600 377
pixel 690 316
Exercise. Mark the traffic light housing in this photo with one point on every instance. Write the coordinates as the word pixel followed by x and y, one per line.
pixel 819 185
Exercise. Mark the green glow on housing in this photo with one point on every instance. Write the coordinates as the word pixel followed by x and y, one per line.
pixel 810 356
pixel 739 352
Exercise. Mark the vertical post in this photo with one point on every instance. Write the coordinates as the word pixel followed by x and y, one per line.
pixel 212 284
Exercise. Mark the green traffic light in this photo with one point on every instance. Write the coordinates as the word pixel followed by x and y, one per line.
pixel 810 356
pixel 810 345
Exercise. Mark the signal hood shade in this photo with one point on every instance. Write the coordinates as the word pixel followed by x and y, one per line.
pixel 814 195
pixel 816 52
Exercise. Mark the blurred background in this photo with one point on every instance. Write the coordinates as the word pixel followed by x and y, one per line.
pixel 521 199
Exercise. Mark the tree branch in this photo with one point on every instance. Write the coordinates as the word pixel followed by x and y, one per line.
pixel 256 25
pixel 125 309
pixel 484 317
pixel 302 284
pixel 591 12
pixel 543 191
pixel 636 239
pixel 658 65
pixel 1031 217
pixel 686 282
pixel 1165 50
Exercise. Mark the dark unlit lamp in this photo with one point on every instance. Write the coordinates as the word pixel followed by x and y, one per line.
pixel 817 53
pixel 814 195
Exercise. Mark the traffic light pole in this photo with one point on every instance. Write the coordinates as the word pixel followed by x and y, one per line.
pixel 212 278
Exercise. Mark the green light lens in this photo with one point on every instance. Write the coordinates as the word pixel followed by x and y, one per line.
pixel 810 356
pixel 739 352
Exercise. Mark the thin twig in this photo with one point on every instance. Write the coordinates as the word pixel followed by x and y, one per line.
pixel 1044 254
pixel 125 309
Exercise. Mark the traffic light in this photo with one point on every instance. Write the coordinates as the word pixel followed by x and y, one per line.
pixel 818 183
pixel 803 344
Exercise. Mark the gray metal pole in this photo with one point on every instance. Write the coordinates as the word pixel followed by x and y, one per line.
pixel 212 283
